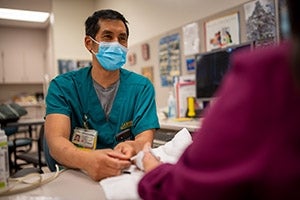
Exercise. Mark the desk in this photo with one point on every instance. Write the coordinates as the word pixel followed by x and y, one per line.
pixel 69 185
pixel 27 122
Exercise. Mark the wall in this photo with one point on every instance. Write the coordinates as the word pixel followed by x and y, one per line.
pixel 68 31
pixel 149 21
pixel 149 18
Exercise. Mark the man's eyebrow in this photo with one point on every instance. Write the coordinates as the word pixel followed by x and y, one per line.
pixel 107 32
pixel 110 32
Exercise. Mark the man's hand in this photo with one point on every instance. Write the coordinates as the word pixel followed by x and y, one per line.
pixel 132 147
pixel 126 148
pixel 105 163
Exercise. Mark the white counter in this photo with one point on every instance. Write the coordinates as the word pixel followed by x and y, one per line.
pixel 177 124
pixel 69 185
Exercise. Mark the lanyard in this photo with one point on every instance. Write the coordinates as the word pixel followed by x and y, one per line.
pixel 83 99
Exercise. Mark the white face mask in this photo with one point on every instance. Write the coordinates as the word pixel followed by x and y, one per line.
pixel 111 55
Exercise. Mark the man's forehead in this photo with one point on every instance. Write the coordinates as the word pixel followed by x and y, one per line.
pixel 108 25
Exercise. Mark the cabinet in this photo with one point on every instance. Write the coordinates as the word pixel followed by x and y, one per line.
pixel 20 66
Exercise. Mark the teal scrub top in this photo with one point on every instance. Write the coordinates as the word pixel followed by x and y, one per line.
pixel 73 94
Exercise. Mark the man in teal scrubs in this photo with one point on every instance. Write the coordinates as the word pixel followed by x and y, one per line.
pixel 99 102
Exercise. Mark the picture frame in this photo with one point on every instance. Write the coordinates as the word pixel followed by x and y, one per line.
pixel 261 12
pixel 222 32
pixel 146 51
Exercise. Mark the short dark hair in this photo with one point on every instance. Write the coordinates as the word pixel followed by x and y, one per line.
pixel 91 23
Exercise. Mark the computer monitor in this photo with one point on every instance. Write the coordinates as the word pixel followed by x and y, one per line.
pixel 211 68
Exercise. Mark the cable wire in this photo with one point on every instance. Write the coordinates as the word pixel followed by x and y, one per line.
pixel 28 180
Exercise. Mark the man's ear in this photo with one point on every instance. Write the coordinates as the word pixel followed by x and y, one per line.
pixel 88 42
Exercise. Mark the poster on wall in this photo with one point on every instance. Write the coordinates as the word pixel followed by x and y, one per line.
pixel 65 65
pixel 261 22
pixel 222 32
pixel 191 40
pixel 169 59
pixel 131 57
pixel 146 51
pixel 190 64
pixel 83 63
pixel 148 73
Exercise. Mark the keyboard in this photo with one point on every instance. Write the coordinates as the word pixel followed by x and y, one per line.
pixel 161 137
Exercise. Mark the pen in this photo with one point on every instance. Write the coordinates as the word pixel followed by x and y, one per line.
pixel 133 158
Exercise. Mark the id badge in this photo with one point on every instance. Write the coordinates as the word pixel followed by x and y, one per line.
pixel 85 138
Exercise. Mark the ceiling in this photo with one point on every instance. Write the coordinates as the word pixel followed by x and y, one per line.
pixel 34 5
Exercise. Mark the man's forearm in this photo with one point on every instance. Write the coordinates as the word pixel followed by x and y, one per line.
pixel 142 139
pixel 64 152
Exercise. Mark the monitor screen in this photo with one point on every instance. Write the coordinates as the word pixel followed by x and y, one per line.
pixel 211 68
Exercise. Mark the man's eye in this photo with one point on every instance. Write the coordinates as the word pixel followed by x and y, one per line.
pixel 107 36
pixel 122 39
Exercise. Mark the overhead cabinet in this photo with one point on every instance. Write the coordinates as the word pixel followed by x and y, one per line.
pixel 22 55
pixel 19 66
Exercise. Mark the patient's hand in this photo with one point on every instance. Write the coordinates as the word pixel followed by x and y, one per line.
pixel 149 160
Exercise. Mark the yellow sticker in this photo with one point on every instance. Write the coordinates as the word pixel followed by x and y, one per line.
pixel 126 125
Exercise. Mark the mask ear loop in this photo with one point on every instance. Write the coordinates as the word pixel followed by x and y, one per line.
pixel 95 40
pixel 91 50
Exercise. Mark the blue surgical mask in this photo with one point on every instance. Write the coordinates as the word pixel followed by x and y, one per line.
pixel 111 55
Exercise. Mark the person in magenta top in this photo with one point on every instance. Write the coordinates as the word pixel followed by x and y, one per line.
pixel 249 143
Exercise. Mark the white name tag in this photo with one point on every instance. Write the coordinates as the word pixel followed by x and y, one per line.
pixel 85 138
